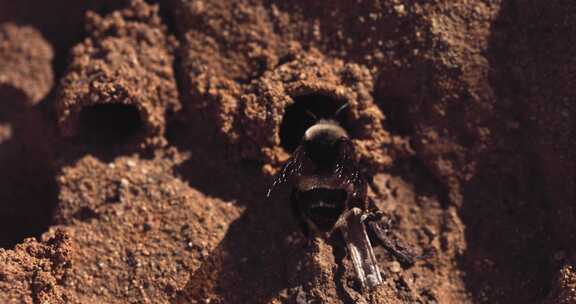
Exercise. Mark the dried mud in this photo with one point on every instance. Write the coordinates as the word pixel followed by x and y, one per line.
pixel 461 114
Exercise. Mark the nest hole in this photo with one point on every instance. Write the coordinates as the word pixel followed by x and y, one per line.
pixel 304 112
pixel 109 124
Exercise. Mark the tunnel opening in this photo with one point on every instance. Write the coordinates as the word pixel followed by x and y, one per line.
pixel 109 124
pixel 305 111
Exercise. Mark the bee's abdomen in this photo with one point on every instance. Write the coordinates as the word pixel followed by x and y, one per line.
pixel 322 206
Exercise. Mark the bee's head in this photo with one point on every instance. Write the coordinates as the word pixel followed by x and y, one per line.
pixel 321 141
pixel 326 131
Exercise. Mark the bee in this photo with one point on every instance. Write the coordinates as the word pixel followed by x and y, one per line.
pixel 329 193
pixel 325 176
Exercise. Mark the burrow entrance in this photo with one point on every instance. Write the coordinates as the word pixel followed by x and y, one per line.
pixel 109 124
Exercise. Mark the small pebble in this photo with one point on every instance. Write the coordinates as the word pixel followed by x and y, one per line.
pixel 189 245
pixel 400 9
pixel 395 267
pixel 147 226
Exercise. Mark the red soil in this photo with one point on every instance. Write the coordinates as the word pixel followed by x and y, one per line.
pixel 462 112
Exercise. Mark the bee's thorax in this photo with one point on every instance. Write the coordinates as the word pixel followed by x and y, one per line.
pixel 322 141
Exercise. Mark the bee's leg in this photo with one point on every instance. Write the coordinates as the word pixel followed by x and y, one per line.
pixel 359 248
pixel 375 215
pixel 381 225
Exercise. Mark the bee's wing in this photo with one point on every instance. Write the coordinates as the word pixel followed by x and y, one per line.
pixel 292 168
pixel 348 172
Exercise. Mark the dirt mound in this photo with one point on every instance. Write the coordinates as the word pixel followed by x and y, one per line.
pixel 119 83
pixel 34 272
pixel 144 169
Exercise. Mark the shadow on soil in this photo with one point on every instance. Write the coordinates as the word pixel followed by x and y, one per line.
pixel 506 210
pixel 245 267
pixel 28 192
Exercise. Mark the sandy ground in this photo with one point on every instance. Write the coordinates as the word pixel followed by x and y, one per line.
pixel 137 142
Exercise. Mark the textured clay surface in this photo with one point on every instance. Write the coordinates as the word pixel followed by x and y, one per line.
pixel 462 115
pixel 25 65
pixel 34 271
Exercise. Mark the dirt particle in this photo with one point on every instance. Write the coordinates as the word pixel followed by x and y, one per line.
pixel 395 267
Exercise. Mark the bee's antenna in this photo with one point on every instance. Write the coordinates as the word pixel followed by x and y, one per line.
pixel 311 115
pixel 342 108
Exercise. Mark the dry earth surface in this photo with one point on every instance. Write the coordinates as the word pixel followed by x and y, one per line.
pixel 138 139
